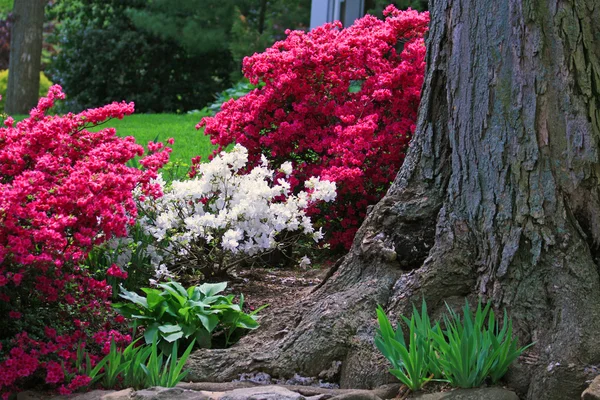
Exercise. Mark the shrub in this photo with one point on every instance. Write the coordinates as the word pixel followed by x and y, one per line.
pixel 222 218
pixel 63 189
pixel 44 86
pixel 99 43
pixel 465 353
pixel 341 103
pixel 174 314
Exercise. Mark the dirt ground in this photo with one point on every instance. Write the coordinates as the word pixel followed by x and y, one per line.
pixel 274 286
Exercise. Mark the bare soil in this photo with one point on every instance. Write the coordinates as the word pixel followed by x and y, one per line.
pixel 277 287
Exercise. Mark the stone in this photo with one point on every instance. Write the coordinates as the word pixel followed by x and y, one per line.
pixel 270 392
pixel 174 393
pixel 593 391
pixel 491 393
pixel 357 395
pixel 124 394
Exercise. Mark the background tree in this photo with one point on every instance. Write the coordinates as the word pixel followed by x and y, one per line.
pixel 25 56
pixel 164 56
pixel 232 29
pixel 498 197
pixel 376 7
pixel 104 57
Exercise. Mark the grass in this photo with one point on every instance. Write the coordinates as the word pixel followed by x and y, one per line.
pixel 189 142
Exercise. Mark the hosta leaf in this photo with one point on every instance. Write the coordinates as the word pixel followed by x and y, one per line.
pixel 209 321
pixel 154 299
pixel 151 333
pixel 173 336
pixel 168 328
pixel 133 297
pixel 246 322
pixel 210 289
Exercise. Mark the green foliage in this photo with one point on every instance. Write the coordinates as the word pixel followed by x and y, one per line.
pixel 465 353
pixel 175 314
pixel 471 350
pixel 376 7
pixel 415 364
pixel 234 28
pixel 185 22
pixel 136 366
pixel 135 248
pixel 105 57
pixel 44 86
pixel 6 7
pixel 242 88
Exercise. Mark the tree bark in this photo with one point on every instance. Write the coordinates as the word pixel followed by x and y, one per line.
pixel 498 198
pixel 25 56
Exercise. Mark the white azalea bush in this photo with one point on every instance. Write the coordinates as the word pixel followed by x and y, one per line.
pixel 224 217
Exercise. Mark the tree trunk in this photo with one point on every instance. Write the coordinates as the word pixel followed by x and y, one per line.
pixel 261 16
pixel 25 56
pixel 498 198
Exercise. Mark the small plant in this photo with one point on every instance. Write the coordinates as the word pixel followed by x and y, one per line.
pixel 136 366
pixel 465 353
pixel 175 314
pixel 169 374
pixel 415 364
pixel 470 350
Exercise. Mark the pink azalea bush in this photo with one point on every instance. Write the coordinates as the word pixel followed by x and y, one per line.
pixel 340 103
pixel 63 189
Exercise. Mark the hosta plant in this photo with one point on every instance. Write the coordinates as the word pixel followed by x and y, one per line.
pixel 173 314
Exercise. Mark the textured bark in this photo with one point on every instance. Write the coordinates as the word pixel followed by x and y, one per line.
pixel 25 56
pixel 498 198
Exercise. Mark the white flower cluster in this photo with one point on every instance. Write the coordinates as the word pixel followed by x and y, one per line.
pixel 225 213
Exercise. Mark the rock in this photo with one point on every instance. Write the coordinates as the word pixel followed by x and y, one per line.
pixel 93 395
pixel 31 395
pixel 124 394
pixel 333 373
pixel 357 395
pixel 593 391
pixel 175 393
pixel 263 393
pixel 492 393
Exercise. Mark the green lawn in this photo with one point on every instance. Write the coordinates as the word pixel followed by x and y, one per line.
pixel 189 142
pixel 159 127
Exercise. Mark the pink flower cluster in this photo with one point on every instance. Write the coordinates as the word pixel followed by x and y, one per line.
pixel 340 103
pixel 116 271
pixel 63 189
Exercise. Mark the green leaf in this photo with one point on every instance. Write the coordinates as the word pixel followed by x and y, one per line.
pixel 151 333
pixel 133 297
pixel 209 322
pixel 168 328
pixel 355 86
pixel 210 289
pixel 154 299
pixel 247 322
pixel 171 337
